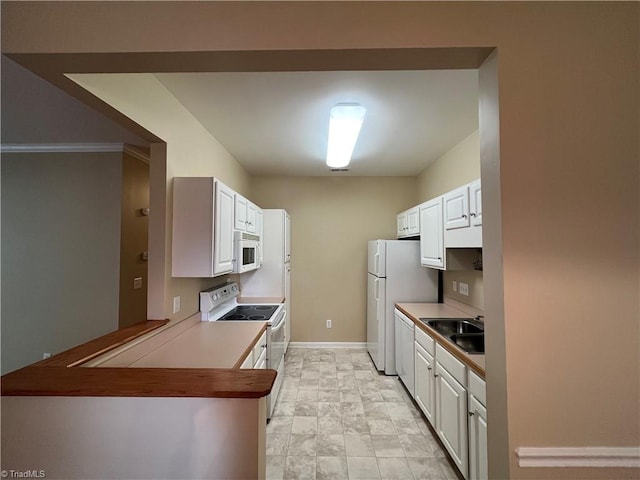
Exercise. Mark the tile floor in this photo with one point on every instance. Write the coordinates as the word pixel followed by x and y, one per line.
pixel 337 418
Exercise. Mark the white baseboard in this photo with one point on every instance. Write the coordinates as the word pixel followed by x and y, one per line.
pixel 327 344
pixel 589 457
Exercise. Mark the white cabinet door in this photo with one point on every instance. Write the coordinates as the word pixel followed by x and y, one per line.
pixel 475 203
pixel 456 208
pixel 401 221
pixel 252 211
pixel 451 417
pixel 223 231
pixel 431 234
pixel 478 469
pixel 413 221
pixel 240 209
pixel 287 237
pixel 463 217
pixel 287 303
pixel 425 382
pixel 260 232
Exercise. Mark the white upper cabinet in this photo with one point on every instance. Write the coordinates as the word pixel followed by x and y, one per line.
pixel 223 233
pixel 475 203
pixel 431 236
pixel 245 215
pixel 456 208
pixel 463 217
pixel 252 210
pixel 202 244
pixel 408 223
pixel 240 209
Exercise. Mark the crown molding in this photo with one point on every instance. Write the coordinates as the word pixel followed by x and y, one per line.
pixel 60 147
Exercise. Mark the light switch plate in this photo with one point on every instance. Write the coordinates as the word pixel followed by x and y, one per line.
pixel 455 286
pixel 137 283
pixel 176 304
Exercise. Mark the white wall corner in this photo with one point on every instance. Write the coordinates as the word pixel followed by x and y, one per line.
pixel 586 457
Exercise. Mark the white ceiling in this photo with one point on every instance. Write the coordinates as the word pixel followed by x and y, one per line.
pixel 276 123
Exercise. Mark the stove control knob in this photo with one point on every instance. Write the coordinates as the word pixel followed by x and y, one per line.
pixel 215 296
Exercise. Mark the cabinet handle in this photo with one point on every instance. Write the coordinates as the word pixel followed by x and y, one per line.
pixel 439 258
pixel 471 414
pixel 472 214
pixel 435 375
pixel 429 368
pixel 464 216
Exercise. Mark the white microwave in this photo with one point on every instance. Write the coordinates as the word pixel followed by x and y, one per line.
pixel 247 252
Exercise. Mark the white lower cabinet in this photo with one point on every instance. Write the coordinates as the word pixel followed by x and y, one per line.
pixel 425 382
pixel 451 416
pixel 453 399
pixel 478 469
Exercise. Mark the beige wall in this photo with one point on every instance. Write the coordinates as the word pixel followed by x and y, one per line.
pixel 332 218
pixel 567 182
pixel 190 151
pixel 458 166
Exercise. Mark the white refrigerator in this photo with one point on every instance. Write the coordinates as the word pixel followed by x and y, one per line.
pixel 394 276
pixel 273 278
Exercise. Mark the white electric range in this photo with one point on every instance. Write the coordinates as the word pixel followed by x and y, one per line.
pixel 220 304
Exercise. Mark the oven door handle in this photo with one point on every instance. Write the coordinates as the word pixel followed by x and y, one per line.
pixel 280 325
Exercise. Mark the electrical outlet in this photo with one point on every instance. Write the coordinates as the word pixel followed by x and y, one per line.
pixel 45 355
pixel 137 283
pixel 328 323
pixel 464 289
pixel 455 286
pixel 176 304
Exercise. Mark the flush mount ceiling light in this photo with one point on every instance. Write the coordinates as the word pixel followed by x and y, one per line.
pixel 344 126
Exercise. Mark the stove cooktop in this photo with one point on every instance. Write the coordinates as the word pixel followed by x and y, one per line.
pixel 250 312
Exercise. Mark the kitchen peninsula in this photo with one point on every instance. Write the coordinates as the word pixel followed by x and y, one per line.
pixel 206 419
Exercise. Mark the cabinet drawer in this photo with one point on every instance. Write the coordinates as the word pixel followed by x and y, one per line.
pixel 477 387
pixel 261 361
pixel 455 367
pixel 260 347
pixel 425 341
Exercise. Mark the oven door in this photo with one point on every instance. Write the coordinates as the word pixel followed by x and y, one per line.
pixel 276 344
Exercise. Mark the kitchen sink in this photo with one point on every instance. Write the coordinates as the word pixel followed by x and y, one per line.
pixel 469 342
pixel 451 326
pixel 466 333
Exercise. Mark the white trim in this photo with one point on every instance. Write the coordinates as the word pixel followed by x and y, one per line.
pixel 327 344
pixel 626 457
pixel 60 147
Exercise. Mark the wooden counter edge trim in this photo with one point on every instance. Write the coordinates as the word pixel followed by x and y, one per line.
pixel 446 344
pixel 247 351
pixel 60 381
pixel 94 348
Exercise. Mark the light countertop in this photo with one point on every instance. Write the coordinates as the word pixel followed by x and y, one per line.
pixel 206 345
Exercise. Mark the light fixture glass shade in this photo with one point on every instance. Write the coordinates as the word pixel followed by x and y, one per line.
pixel 344 126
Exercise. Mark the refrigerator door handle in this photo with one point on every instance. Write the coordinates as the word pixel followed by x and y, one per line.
pixel 377 280
pixel 377 261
